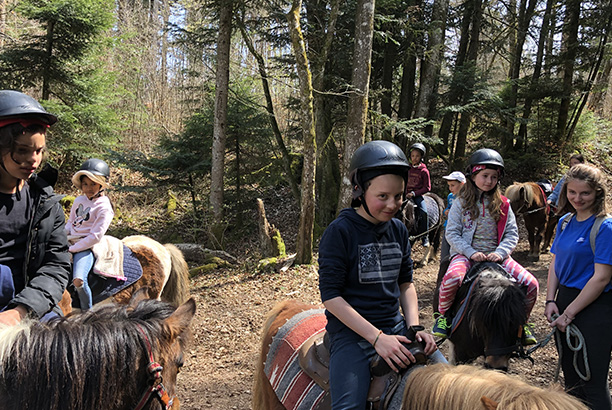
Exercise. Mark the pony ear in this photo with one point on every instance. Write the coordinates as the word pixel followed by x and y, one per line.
pixel 488 404
pixel 180 320
pixel 138 296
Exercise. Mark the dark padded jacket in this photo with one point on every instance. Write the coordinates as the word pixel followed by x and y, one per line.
pixel 47 260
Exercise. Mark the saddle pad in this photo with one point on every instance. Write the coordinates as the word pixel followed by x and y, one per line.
pixel 104 288
pixel 433 210
pixel 293 387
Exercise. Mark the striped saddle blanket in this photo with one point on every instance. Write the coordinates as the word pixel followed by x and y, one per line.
pixel 293 387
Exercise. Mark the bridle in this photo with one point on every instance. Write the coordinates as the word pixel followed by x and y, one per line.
pixel 157 389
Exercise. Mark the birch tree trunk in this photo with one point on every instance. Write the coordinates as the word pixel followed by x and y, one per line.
pixel 358 100
pixel 307 211
pixel 220 120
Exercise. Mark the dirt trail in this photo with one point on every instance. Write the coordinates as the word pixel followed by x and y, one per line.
pixel 231 309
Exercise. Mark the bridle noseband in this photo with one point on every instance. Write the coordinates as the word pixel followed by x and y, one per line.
pixel 157 388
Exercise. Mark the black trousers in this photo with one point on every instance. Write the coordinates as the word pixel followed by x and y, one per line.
pixel 595 324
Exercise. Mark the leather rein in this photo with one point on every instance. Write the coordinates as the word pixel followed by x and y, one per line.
pixel 157 389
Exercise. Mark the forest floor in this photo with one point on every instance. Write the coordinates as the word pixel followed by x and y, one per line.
pixel 232 305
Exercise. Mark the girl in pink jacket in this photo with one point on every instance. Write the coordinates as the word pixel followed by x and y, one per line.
pixel 90 217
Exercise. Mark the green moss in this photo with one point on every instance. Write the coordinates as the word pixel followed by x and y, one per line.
pixel 278 244
pixel 67 202
pixel 202 269
pixel 268 264
pixel 171 205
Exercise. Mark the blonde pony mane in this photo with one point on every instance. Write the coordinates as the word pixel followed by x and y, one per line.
pixel 445 387
pixel 532 190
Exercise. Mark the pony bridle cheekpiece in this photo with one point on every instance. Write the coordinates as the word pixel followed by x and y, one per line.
pixel 157 388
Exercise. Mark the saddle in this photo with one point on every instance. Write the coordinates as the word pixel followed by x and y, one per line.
pixel 313 358
pixel 103 288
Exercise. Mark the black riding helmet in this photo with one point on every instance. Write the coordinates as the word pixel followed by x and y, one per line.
pixel 14 104
pixel 95 169
pixel 373 159
pixel 419 147
pixel 487 157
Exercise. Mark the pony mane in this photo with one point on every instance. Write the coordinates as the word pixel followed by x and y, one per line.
pixel 532 191
pixel 499 305
pixel 82 360
pixel 446 387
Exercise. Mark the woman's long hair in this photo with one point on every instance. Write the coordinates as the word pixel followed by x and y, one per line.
pixel 594 179
pixel 471 195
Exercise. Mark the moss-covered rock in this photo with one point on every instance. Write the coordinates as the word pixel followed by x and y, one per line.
pixel 267 264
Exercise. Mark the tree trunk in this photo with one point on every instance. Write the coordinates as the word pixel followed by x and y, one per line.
pixel 220 120
pixel 307 211
pixel 263 72
pixel 46 86
pixel 537 71
pixel 327 182
pixel 568 58
pixel 431 64
pixel 358 100
pixel 454 94
pixel 522 22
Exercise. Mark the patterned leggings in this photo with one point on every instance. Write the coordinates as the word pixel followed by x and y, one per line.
pixel 460 265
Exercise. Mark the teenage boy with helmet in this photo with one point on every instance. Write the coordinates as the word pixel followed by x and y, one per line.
pixel 34 257
pixel 481 227
pixel 90 217
pixel 365 276
pixel 418 184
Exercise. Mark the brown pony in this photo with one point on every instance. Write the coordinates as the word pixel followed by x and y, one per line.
pixel 165 273
pixel 444 387
pixel 114 357
pixel 430 388
pixel 528 199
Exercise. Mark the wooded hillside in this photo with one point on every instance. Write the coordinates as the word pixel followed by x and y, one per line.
pixel 205 106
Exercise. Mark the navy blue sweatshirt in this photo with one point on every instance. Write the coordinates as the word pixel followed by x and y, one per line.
pixel 364 263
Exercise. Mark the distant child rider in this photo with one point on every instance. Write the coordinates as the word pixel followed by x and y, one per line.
pixel 418 184
pixel 365 277
pixel 90 217
pixel 482 227
pixel 455 181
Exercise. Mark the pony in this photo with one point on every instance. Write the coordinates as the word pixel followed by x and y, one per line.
pixel 119 357
pixel 410 215
pixel 165 273
pixel 490 319
pixel 444 387
pixel 421 388
pixel 529 200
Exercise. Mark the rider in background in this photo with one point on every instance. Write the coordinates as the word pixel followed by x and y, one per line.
pixel 553 199
pixel 34 257
pixel 418 184
pixel 578 286
pixel 455 181
pixel 365 277
pixel 90 217
pixel 482 227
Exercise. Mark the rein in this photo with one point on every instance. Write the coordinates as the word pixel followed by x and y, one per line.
pixel 157 389
pixel 570 331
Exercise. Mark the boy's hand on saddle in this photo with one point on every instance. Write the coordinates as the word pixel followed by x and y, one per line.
pixel 393 352
pixel 478 257
pixel 428 340
pixel 494 257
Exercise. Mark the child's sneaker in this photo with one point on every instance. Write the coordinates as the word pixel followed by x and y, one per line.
pixel 528 337
pixel 441 327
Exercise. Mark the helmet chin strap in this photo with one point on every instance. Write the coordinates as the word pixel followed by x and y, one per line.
pixel 97 195
pixel 365 205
